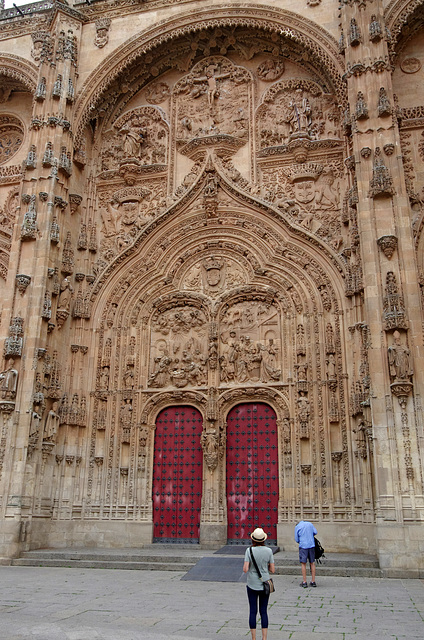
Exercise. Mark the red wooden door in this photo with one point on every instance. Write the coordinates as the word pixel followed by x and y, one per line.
pixel 252 471
pixel 177 475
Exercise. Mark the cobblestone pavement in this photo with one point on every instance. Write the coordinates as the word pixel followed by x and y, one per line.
pixel 86 604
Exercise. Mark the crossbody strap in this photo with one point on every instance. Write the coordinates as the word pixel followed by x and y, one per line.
pixel 254 562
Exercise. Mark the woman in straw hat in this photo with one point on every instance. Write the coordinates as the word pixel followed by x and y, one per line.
pixel 255 589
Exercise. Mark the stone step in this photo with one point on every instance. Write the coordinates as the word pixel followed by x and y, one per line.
pixel 183 558
pixel 102 564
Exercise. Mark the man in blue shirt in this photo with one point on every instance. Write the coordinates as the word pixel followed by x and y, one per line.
pixel 304 533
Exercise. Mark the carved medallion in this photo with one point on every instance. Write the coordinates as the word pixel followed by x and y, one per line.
pixel 410 65
pixel 11 137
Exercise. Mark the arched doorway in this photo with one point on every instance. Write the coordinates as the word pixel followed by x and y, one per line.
pixel 252 471
pixel 177 475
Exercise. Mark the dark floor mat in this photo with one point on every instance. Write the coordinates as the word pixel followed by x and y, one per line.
pixel 239 549
pixel 217 570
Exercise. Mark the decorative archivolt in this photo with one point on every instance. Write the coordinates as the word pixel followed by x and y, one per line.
pixel 185 219
pixel 282 25
pixel 19 69
pixel 403 18
pixel 277 399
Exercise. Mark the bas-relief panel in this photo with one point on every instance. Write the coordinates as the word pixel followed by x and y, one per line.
pixel 247 348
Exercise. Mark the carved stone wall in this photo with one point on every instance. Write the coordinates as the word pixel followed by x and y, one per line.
pixel 227 209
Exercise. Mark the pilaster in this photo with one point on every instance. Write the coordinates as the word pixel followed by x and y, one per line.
pixel 392 308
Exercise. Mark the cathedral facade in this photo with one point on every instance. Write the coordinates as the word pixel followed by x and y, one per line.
pixel 212 263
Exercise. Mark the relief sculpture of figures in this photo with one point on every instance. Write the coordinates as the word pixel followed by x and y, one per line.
pixel 212 99
pixel 179 347
pixel 247 354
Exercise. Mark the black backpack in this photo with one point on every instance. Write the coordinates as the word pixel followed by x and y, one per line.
pixel 319 551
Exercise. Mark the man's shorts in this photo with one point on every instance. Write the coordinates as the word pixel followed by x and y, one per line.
pixel 307 554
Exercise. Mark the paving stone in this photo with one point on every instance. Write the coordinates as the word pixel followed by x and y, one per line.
pixel 91 604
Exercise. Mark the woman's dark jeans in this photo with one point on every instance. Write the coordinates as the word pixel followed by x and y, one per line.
pixel 253 607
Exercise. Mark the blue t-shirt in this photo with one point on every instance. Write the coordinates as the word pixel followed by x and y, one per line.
pixel 304 533
pixel 263 557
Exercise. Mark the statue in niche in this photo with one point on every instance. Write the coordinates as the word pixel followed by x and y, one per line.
pixel 9 381
pixel 51 426
pixel 65 296
pixel 331 367
pixel 134 137
pixel 104 378
pixel 129 378
pixel 269 370
pixel 125 413
pixel 301 117
pixel 209 441
pixel 399 359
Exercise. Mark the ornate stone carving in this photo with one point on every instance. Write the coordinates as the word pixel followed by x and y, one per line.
pixel 410 65
pixel 270 69
pixel 157 93
pixel 388 245
pixel 14 342
pixel 394 308
pixel 74 202
pixel 383 107
pixel 42 48
pixel 381 183
pixel 178 348
pixel 22 282
pixel 294 110
pixel 64 302
pixel 102 32
pixel 212 447
pixel 375 30
pixel 354 36
pixel 67 266
pixel 11 137
pixel 249 344
pixel 9 381
pixel 361 109
pixel 400 364
pixel 212 104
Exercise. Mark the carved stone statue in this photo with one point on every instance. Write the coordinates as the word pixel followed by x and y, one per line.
pixel 9 381
pixel 65 297
pixel 52 423
pixel 399 359
pixel 210 444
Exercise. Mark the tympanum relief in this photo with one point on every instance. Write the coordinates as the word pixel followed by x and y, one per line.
pixel 178 348
pixel 212 106
pixel 250 345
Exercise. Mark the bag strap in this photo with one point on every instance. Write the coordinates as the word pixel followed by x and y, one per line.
pixel 254 562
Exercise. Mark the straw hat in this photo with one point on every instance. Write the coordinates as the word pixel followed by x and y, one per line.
pixel 258 535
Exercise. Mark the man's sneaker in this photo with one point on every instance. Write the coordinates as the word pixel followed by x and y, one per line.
pixel 304 584
pixel 313 584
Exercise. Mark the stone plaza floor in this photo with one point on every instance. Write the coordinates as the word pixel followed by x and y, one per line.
pixel 85 604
